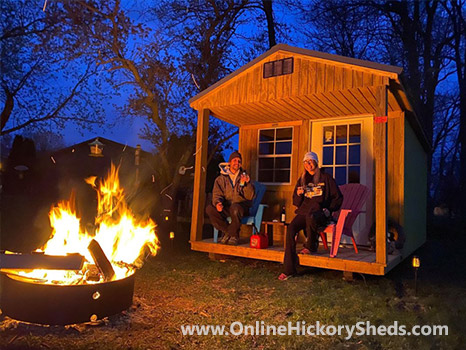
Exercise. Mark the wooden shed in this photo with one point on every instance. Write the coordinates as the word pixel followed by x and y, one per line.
pixel 354 114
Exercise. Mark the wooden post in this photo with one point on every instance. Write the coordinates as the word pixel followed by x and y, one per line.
pixel 200 170
pixel 380 154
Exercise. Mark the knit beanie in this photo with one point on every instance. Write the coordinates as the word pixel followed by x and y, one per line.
pixel 311 156
pixel 235 154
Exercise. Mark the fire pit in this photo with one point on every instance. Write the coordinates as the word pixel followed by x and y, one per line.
pixel 29 301
pixel 79 276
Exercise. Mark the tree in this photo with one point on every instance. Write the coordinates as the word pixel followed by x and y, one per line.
pixel 142 63
pixel 45 140
pixel 345 28
pixel 43 79
pixel 456 10
pixel 267 6
pixel 416 35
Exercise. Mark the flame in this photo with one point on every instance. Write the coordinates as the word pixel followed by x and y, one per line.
pixel 123 238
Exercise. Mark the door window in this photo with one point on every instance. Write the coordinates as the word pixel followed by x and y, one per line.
pixel 341 152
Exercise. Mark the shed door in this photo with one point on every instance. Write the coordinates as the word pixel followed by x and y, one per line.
pixel 344 148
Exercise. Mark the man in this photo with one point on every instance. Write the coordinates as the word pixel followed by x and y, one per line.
pixel 231 197
pixel 316 195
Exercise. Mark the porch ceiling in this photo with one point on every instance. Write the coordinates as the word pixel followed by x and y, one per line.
pixel 329 104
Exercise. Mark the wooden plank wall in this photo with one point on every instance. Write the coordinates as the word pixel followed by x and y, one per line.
pixel 311 76
pixel 395 166
pixel 276 196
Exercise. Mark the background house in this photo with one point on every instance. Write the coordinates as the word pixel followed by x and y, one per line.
pixel 27 196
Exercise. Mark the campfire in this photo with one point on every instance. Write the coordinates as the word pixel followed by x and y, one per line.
pixel 98 264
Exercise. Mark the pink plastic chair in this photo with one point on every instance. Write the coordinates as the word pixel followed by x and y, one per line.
pixel 354 197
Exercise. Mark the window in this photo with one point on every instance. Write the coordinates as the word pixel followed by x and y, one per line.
pixel 341 152
pixel 279 67
pixel 275 146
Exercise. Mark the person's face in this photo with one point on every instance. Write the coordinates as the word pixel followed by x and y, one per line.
pixel 310 166
pixel 235 164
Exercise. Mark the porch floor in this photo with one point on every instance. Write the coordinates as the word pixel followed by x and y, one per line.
pixel 346 259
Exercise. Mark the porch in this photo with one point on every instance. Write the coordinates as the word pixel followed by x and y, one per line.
pixel 311 94
pixel 346 260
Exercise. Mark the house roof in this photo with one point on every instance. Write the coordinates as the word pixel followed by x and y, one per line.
pixel 101 140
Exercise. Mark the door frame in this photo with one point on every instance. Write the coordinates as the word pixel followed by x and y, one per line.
pixel 364 220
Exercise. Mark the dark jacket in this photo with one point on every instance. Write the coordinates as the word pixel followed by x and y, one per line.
pixel 324 194
pixel 226 192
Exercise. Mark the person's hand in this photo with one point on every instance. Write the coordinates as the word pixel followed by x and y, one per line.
pixel 244 178
pixel 219 206
pixel 300 191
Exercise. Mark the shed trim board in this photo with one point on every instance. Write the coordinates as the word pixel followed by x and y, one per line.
pixel 323 88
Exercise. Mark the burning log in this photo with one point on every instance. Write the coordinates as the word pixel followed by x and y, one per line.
pixel 101 260
pixel 16 261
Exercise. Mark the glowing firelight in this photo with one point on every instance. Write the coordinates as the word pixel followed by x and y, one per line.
pixel 124 239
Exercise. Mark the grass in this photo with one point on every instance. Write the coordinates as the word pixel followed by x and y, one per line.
pixel 181 288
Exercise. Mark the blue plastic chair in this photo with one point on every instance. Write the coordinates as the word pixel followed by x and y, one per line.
pixel 255 213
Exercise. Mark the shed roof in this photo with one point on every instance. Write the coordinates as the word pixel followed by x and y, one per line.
pixel 311 53
pixel 322 85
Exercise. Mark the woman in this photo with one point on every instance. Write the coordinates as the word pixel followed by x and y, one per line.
pixel 316 195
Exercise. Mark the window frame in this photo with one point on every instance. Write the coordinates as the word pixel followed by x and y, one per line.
pixel 273 65
pixel 273 156
pixel 346 144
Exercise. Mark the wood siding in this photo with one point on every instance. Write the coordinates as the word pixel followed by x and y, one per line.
pixel 315 89
pixel 276 196
pixel 395 166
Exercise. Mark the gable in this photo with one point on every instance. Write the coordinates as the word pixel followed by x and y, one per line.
pixel 310 76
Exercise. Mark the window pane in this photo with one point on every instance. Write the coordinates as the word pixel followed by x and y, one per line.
pixel 355 133
pixel 283 147
pixel 268 67
pixel 340 175
pixel 266 148
pixel 282 176
pixel 265 175
pixel 327 170
pixel 340 155
pixel 284 134
pixel 341 133
pixel 354 154
pixel 327 156
pixel 265 163
pixel 353 174
pixel 278 68
pixel 266 135
pixel 328 135
pixel 282 162
pixel 288 65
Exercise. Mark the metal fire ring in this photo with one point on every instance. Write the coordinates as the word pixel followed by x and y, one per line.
pixel 60 305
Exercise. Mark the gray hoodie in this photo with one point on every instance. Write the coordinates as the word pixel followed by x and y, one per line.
pixel 227 192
